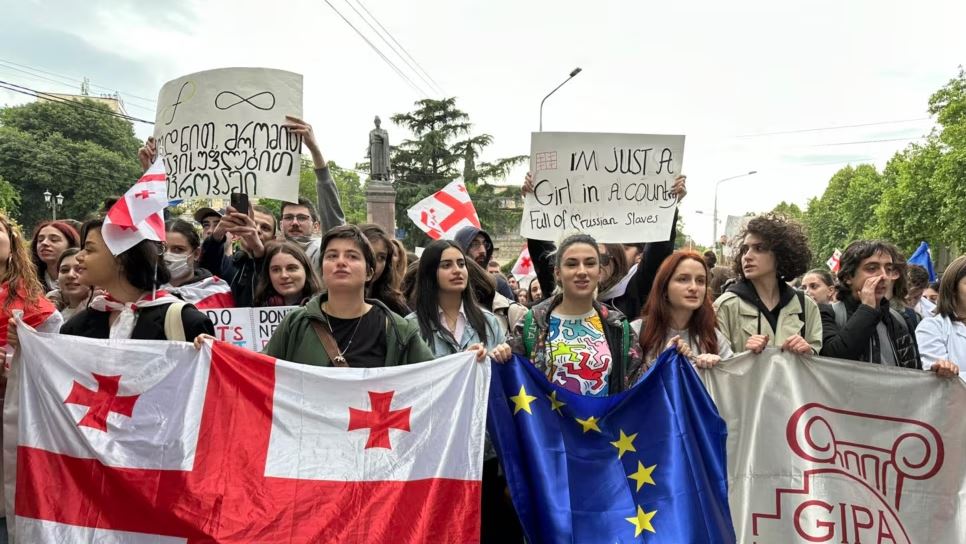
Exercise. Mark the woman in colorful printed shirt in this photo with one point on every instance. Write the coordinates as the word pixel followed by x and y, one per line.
pixel 579 343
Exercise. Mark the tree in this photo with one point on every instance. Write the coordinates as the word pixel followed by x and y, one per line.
pixel 352 196
pixel 84 154
pixel 842 213
pixel 789 210
pixel 440 151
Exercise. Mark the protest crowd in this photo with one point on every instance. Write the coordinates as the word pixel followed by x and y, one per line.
pixel 364 300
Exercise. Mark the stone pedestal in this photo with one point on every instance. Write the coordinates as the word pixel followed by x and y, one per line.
pixel 381 206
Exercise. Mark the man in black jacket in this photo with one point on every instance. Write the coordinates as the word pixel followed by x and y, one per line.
pixel 862 326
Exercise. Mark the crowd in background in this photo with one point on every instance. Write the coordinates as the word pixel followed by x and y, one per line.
pixel 593 317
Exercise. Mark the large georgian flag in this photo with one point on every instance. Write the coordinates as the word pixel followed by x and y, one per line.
pixel 824 450
pixel 137 442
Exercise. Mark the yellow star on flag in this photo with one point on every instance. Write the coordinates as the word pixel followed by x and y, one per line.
pixel 643 475
pixel 589 424
pixel 555 404
pixel 522 401
pixel 642 521
pixel 624 444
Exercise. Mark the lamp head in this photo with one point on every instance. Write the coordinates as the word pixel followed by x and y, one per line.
pixel 576 71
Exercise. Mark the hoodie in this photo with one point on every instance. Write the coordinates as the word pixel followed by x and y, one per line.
pixel 464 237
pixel 741 315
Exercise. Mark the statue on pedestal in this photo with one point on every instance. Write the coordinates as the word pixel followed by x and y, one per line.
pixel 379 153
pixel 380 194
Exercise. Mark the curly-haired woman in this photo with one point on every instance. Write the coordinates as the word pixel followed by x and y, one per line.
pixel 760 309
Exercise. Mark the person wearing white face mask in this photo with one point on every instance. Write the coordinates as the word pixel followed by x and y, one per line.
pixel 189 282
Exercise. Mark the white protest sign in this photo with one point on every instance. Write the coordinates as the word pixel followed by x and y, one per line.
pixel 615 187
pixel 220 132
pixel 250 328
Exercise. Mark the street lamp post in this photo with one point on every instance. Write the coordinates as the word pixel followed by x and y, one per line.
pixel 573 72
pixel 53 202
pixel 714 239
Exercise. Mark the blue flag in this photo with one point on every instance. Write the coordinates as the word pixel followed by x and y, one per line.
pixel 645 465
pixel 922 258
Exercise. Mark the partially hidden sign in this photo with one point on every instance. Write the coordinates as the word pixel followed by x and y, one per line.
pixel 249 328
pixel 615 187
pixel 220 132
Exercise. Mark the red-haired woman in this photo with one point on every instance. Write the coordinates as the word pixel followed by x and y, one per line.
pixel 679 312
pixel 51 238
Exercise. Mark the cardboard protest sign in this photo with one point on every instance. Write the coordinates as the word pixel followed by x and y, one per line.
pixel 615 187
pixel 220 132
pixel 249 328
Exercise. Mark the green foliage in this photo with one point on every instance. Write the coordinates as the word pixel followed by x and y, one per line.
pixel 789 210
pixel 86 155
pixel 352 196
pixel 442 150
pixel 919 196
pixel 9 198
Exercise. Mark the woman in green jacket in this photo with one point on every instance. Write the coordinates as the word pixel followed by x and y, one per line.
pixel 341 327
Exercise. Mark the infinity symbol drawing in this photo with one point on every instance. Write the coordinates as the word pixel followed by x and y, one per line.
pixel 251 100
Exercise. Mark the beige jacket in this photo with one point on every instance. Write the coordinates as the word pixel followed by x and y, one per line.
pixel 738 320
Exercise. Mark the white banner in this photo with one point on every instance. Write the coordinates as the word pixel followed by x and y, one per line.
pixel 615 187
pixel 824 450
pixel 249 328
pixel 220 132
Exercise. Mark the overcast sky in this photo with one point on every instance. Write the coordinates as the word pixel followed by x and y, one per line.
pixel 713 71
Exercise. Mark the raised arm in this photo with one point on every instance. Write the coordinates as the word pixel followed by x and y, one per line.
pixel 327 194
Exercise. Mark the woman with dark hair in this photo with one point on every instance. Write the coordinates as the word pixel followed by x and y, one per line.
pixel 340 327
pixel 51 238
pixel 449 318
pixel 760 309
pixel 288 278
pixel 190 282
pixel 573 324
pixel 534 292
pixel 679 313
pixel 384 286
pixel 819 285
pixel 942 336
pixel 133 306
pixel 862 325
pixel 71 296
pixel 624 285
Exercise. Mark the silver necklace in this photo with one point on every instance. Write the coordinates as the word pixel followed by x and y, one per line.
pixel 340 358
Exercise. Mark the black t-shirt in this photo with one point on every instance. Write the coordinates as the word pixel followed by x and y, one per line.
pixel 365 346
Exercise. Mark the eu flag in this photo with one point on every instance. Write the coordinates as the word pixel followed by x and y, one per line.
pixel 645 465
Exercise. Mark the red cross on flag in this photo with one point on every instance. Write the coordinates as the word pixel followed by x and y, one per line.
pixel 445 212
pixel 138 215
pixel 524 266
pixel 136 441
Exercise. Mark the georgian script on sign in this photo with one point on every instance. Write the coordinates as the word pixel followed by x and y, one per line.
pixel 615 187
pixel 220 132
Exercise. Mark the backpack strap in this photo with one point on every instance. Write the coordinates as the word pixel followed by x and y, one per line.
pixel 841 315
pixel 328 344
pixel 529 335
pixel 801 302
pixel 173 326
pixel 626 338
